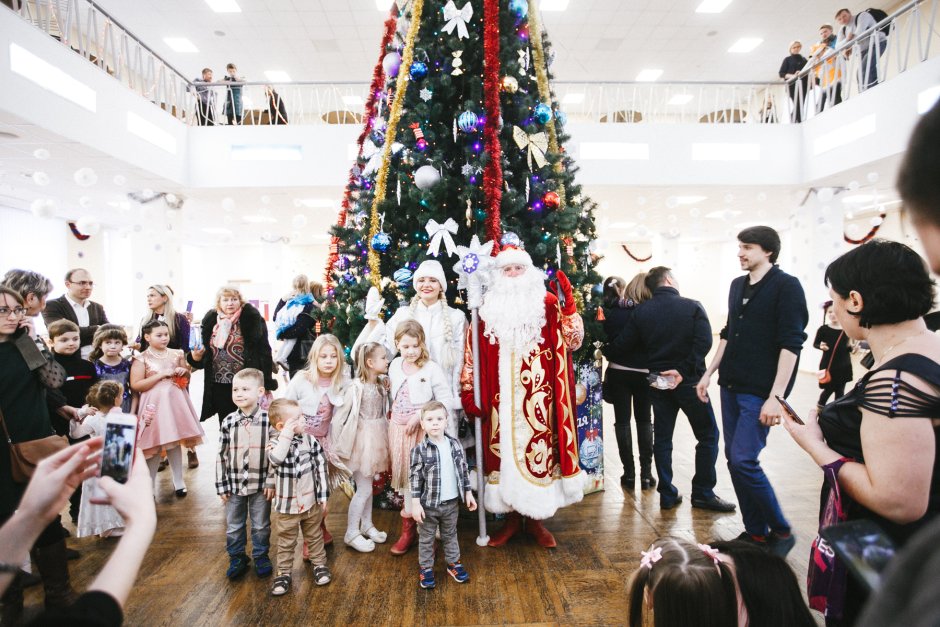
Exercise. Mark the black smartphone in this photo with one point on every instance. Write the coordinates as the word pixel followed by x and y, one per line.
pixel 864 547
pixel 790 411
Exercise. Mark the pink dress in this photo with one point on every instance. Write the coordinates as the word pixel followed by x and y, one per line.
pixel 174 421
pixel 370 450
pixel 399 442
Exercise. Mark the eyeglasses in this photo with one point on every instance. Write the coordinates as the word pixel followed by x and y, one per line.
pixel 18 312
pixel 83 283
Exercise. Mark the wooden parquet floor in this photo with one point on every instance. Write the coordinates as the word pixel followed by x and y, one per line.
pixel 582 582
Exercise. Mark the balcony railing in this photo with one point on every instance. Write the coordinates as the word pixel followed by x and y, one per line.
pixel 835 75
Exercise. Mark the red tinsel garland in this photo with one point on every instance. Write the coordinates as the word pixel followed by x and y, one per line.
pixel 493 172
pixel 375 88
pixel 634 257
pixel 870 235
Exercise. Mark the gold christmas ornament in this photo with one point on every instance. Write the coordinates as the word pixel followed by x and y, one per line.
pixel 510 85
pixel 580 393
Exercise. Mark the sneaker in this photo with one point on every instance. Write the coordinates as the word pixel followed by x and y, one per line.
pixel 321 575
pixel 379 537
pixel 426 578
pixel 755 540
pixel 281 585
pixel 237 566
pixel 781 544
pixel 263 567
pixel 359 542
pixel 458 572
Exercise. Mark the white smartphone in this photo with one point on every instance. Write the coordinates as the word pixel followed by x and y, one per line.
pixel 120 441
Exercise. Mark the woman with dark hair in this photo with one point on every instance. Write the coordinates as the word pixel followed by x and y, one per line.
pixel 234 337
pixel 625 381
pixel 277 110
pixel 835 365
pixel 767 588
pixel 879 460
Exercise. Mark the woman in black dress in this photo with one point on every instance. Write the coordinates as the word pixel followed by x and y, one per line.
pixel 791 66
pixel 835 366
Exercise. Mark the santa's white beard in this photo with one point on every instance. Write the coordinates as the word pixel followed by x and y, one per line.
pixel 514 311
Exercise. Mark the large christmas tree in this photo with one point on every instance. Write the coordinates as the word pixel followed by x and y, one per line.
pixel 461 129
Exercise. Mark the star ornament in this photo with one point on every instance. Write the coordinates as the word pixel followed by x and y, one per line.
pixel 475 262
pixel 425 94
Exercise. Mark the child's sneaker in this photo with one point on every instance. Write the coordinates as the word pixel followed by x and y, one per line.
pixel 281 585
pixel 263 567
pixel 237 566
pixel 458 572
pixel 426 578
pixel 321 575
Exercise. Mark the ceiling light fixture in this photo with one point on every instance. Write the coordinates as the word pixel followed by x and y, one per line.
pixel 180 44
pixel 680 99
pixel 277 76
pixel 745 44
pixel 648 75
pixel 224 6
pixel 48 76
pixel 554 5
pixel 712 6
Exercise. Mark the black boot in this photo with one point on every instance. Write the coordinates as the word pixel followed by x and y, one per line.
pixel 12 604
pixel 53 567
pixel 644 432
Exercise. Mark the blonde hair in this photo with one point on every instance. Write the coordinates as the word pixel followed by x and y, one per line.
pixel 300 285
pixel 169 312
pixel 433 406
pixel 413 328
pixel 363 353
pixel 228 290
pixel 277 409
pixel 317 289
pixel 636 289
pixel 256 376
pixel 336 379
pixel 105 395
pixel 448 358
pixel 796 42
pixel 104 333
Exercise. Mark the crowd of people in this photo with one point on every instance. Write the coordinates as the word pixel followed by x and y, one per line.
pixel 405 404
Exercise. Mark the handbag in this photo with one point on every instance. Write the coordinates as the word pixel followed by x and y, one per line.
pixel 25 456
pixel 824 375
pixel 827 579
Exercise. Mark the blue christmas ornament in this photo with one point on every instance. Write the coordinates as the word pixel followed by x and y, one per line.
pixel 470 263
pixel 377 136
pixel 467 121
pixel 418 70
pixel 519 8
pixel 561 117
pixel 349 278
pixel 403 276
pixel 511 239
pixel 597 290
pixel 381 242
pixel 543 113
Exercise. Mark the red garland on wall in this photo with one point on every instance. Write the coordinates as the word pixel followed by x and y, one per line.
pixel 493 172
pixel 78 234
pixel 634 257
pixel 868 236
pixel 375 88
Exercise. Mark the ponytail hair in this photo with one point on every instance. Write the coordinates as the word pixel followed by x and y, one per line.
pixel 363 352
pixel 105 395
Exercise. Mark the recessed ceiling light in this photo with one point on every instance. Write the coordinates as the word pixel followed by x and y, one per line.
pixel 383 5
pixel 745 44
pixel 712 6
pixel 648 75
pixel 554 5
pixel 277 76
pixel 681 99
pixel 573 98
pixel 180 44
pixel 224 6
pixel 353 100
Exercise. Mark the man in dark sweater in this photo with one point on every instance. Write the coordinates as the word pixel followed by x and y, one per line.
pixel 76 305
pixel 757 358
pixel 675 334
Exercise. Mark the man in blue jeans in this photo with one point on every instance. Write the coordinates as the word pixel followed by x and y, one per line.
pixel 757 358
pixel 676 335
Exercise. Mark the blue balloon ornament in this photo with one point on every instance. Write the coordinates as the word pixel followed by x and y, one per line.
pixel 418 70
pixel 467 121
pixel 381 242
pixel 519 8
pixel 403 277
pixel 543 113
pixel 511 239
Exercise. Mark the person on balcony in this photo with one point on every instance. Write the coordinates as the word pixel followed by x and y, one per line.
pixel 789 70
pixel 828 75
pixel 205 99
pixel 233 96
pixel 277 110
pixel 870 43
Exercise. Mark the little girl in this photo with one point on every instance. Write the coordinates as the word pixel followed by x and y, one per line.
pixel 360 441
pixel 106 349
pixel 319 388
pixel 681 583
pixel 169 420
pixel 415 381
pixel 102 520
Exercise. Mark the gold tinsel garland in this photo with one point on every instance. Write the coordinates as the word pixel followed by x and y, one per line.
pixel 395 111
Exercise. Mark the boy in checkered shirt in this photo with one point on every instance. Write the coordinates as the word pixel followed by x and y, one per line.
pixel 242 478
pixel 301 491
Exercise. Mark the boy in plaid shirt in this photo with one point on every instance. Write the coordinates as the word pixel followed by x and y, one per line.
pixel 242 477
pixel 439 481
pixel 301 491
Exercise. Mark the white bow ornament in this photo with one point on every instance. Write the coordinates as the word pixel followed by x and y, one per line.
pixel 535 144
pixel 441 232
pixel 457 18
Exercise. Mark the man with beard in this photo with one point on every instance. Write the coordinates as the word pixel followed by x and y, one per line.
pixel 528 415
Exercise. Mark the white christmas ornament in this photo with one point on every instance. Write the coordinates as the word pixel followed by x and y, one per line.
pixel 85 177
pixel 853 185
pixel 41 178
pixel 427 177
pixel 41 153
pixel 457 18
pixel 88 225
pixel 438 233
pixel 43 207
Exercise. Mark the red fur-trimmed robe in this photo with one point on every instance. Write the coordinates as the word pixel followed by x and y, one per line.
pixel 529 424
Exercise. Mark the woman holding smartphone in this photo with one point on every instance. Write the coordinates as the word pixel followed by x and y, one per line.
pixel 879 460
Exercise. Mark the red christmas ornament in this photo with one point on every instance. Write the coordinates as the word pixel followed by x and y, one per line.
pixel 551 200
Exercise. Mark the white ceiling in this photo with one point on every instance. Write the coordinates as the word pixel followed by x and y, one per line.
pixel 337 40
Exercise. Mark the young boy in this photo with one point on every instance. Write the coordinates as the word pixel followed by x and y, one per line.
pixel 242 476
pixel 439 478
pixel 300 493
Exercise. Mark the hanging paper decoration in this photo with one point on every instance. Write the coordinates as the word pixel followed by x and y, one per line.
pixel 441 233
pixel 457 18
pixel 420 143
pixel 467 121
pixel 871 233
pixel 425 94
pixel 535 145
pixel 457 63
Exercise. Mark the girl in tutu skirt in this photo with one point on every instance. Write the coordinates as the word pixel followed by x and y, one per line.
pixel 360 441
pixel 169 421
pixel 103 520
pixel 415 380
pixel 319 388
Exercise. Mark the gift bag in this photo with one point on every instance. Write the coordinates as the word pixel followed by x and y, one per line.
pixel 827 578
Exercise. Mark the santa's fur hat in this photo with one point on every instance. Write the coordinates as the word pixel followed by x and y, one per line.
pixel 431 268
pixel 512 254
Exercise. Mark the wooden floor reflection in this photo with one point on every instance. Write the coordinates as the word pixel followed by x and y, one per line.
pixel 582 582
